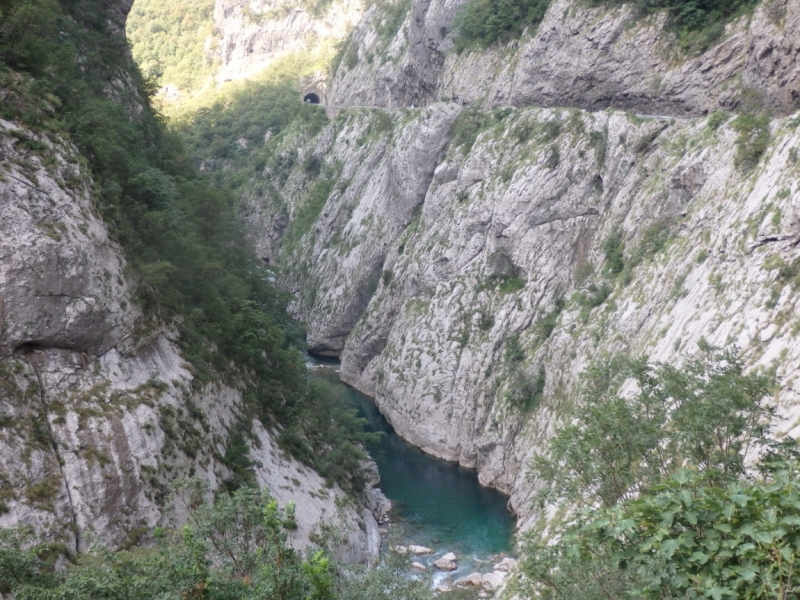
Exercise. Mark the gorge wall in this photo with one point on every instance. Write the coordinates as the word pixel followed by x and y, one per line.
pixel 100 411
pixel 584 57
pixel 252 35
pixel 468 259
pixel 568 197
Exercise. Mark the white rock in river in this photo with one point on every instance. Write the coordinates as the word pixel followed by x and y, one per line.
pixel 446 562
pixel 505 565
pixel 419 550
pixel 419 566
pixel 494 580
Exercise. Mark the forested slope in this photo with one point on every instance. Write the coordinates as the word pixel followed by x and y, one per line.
pixel 141 341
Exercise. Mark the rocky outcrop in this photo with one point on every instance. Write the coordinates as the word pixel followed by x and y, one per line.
pixel 61 276
pixel 591 58
pixel 98 410
pixel 383 182
pixel 446 562
pixel 496 293
pixel 251 36
pixel 396 53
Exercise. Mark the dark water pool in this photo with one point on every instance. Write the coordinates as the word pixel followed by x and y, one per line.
pixel 438 503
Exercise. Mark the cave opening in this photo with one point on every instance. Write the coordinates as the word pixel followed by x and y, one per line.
pixel 311 98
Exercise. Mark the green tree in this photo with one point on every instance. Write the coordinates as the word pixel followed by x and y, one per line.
pixel 236 548
pixel 663 506
pixel 482 23
pixel 692 538
pixel 706 414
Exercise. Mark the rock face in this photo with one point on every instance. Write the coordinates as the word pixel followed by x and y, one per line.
pixel 98 410
pixel 446 562
pixel 250 36
pixel 458 266
pixel 592 58
pixel 57 264
pixel 394 185
pixel 445 305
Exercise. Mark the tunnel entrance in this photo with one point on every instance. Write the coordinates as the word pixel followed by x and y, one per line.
pixel 311 99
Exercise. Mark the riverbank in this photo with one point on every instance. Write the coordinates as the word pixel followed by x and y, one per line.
pixel 435 503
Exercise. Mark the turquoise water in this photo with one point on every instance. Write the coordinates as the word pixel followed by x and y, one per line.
pixel 437 503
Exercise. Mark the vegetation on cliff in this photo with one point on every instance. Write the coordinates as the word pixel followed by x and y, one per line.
pixel 168 40
pixel 65 70
pixel 698 23
pixel 235 549
pixel 665 506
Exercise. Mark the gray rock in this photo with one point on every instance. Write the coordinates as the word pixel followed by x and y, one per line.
pixel 252 36
pixel 429 346
pixel 505 565
pixel 77 357
pixel 593 58
pixel 446 562
pixel 471 580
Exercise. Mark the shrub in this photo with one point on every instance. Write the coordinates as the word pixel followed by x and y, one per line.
pixel 235 548
pixel 466 129
pixel 718 119
pixel 527 392
pixel 698 23
pixel 668 508
pixel 482 23
pixel 654 239
pixel 614 252
pixel 514 353
pixel 591 297
pixel 753 140
pixel 485 321
pixel 546 325
pixel 509 285
pixel 599 141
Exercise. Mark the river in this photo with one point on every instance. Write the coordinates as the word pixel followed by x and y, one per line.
pixel 435 503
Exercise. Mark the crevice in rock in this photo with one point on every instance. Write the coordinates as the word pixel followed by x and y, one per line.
pixel 773 240
pixel 592 212
pixel 30 351
pixel 23 182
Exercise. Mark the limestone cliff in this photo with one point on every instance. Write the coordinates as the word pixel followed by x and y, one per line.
pixel 99 414
pixel 99 410
pixel 590 58
pixel 459 265
pixel 250 36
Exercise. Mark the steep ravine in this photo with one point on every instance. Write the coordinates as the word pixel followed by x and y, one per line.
pixel 100 411
pixel 580 56
pixel 456 257
pixel 463 273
